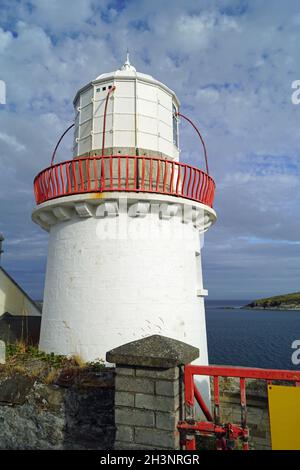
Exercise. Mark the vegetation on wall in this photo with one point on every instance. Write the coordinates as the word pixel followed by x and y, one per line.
pixel 47 367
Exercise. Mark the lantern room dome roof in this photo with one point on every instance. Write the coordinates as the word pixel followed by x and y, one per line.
pixel 126 71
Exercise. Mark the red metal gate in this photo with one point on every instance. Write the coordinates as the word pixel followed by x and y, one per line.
pixel 226 434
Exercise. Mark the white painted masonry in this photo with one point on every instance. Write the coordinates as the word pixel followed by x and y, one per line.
pixel 116 277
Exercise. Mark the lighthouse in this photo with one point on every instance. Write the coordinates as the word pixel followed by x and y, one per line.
pixel 125 215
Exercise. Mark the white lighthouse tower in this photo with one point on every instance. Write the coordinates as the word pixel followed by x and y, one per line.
pixel 124 217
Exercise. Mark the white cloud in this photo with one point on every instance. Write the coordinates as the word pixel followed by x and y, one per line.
pixel 60 16
pixel 231 69
pixel 5 39
pixel 12 142
pixel 208 95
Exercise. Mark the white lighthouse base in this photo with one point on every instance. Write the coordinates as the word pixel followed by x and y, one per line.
pixel 122 269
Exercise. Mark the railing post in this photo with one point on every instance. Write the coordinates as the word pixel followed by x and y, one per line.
pixel 189 394
pixel 216 400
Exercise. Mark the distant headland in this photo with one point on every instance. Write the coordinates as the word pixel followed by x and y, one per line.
pixel 278 302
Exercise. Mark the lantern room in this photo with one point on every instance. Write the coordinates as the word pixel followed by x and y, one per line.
pixel 126 113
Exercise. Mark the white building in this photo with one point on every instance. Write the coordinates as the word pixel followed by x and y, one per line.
pixel 13 299
pixel 20 316
pixel 124 218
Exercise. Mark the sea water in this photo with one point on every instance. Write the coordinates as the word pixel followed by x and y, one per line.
pixel 251 338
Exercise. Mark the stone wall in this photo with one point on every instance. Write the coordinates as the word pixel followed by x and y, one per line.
pixel 75 413
pixel 147 408
pixel 136 405
pixel 257 410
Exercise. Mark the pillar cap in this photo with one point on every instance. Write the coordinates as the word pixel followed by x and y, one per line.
pixel 153 351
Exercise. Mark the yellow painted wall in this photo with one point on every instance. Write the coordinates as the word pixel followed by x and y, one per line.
pixel 284 410
pixel 13 300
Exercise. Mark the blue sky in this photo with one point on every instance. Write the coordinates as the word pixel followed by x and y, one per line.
pixel 230 62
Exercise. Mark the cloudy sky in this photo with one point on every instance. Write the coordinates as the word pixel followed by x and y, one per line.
pixel 230 62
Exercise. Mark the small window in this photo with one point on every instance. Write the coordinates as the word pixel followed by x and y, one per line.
pixel 110 87
pixel 104 88
pixel 175 126
pixel 97 90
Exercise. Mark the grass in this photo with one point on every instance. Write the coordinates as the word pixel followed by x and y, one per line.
pixel 96 365
pixel 277 300
pixel 20 352
pixel 51 377
pixel 45 367
pixel 78 360
pixel 295 297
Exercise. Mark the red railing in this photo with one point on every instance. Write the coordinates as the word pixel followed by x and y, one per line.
pixel 228 432
pixel 124 173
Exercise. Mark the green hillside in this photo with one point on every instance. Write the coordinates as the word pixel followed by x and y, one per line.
pixel 278 302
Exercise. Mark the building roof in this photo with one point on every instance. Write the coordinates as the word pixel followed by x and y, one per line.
pixel 126 70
